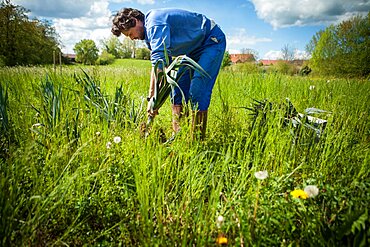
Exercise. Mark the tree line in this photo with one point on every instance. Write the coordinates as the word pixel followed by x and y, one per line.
pixel 87 51
pixel 24 41
pixel 342 49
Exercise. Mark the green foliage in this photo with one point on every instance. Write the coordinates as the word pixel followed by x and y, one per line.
pixel 248 67
pixel 105 58
pixel 142 53
pixel 66 186
pixel 305 70
pixel 226 61
pixel 128 47
pixel 343 49
pixel 3 110
pixel 112 45
pixel 2 61
pixel 5 132
pixel 167 74
pixel 285 67
pixel 24 41
pixel 86 51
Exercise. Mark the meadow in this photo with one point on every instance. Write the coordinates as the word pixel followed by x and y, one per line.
pixel 75 169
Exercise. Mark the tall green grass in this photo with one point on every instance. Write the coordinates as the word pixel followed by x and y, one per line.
pixel 62 183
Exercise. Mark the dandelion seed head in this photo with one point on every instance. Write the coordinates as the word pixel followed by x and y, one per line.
pixel 261 175
pixel 117 139
pixel 220 219
pixel 311 190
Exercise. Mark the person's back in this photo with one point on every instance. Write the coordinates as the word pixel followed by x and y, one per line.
pixel 181 30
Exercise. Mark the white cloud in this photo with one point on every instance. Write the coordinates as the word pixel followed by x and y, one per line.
pixel 56 8
pixel 298 54
pixel 285 13
pixel 75 20
pixel 239 39
pixel 143 2
pixel 275 55
pixel 95 25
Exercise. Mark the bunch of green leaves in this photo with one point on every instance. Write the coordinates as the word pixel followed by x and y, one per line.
pixel 167 77
pixel 291 117
pixel 3 109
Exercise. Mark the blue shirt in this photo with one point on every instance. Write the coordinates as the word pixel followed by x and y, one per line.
pixel 181 31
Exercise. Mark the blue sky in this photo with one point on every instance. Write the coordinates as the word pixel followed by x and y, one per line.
pixel 265 26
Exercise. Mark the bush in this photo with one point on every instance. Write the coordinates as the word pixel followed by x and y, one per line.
pixel 105 58
pixel 305 70
pixel 2 61
pixel 226 61
pixel 285 68
pixel 249 67
pixel 143 53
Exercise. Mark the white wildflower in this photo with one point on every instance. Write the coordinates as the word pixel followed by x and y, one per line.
pixel 117 139
pixel 97 133
pixel 312 87
pixel 311 190
pixel 219 221
pixel 108 145
pixel 261 175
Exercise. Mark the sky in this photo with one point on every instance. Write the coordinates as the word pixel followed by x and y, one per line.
pixel 265 26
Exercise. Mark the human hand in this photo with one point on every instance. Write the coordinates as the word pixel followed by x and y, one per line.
pixel 152 113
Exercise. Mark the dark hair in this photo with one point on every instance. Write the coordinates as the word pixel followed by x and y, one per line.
pixel 126 19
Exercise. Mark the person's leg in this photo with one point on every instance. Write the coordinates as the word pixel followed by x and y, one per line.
pixel 210 59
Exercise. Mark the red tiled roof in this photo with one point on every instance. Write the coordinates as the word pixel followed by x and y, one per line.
pixel 241 58
pixel 69 55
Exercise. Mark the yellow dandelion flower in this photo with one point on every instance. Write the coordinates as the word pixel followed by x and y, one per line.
pixel 221 240
pixel 299 194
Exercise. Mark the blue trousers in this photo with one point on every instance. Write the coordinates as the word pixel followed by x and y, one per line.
pixel 195 86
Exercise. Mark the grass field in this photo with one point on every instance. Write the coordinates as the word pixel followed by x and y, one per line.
pixel 67 178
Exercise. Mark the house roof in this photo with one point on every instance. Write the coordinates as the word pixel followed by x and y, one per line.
pixel 241 58
pixel 69 56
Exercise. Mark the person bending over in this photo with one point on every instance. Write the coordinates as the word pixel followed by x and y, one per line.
pixel 180 32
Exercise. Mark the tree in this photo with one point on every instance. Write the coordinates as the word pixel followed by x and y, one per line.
pixel 342 49
pixel 128 48
pixel 105 58
pixel 86 51
pixel 143 53
pixel 113 46
pixel 24 41
pixel 254 54
pixel 226 61
pixel 287 53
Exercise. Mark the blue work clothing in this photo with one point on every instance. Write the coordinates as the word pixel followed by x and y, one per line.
pixel 192 34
